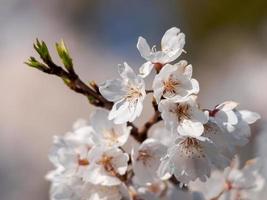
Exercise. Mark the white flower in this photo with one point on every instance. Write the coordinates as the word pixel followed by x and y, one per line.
pixel 191 158
pixel 225 142
pixel 174 82
pixel 233 183
pixel 127 94
pixel 106 165
pixel 98 192
pixel 186 117
pixel 162 190
pixel 106 132
pixel 66 189
pixel 75 189
pixel 235 122
pixel 146 160
pixel 69 153
pixel 172 44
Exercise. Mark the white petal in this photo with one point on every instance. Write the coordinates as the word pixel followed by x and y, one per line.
pixel 107 132
pixel 195 86
pixel 200 116
pixel 227 105
pixel 146 160
pixel 113 90
pixel 120 112
pixel 249 117
pixel 126 72
pixel 170 118
pixel 160 133
pixel 145 69
pixel 143 47
pixel 99 120
pixel 190 128
pixel 173 42
pixel 137 110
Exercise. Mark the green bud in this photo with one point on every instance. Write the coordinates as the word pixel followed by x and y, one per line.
pixel 42 50
pixel 64 55
pixel 32 62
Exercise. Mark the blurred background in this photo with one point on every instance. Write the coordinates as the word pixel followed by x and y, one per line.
pixel 226 41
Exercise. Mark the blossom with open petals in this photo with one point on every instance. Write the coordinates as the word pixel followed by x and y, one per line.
pixel 127 94
pixel 146 160
pixel 174 82
pixel 69 152
pixel 107 133
pixel 235 122
pixel 185 117
pixel 172 44
pixel 233 183
pixel 106 166
pixel 74 188
pixel 191 158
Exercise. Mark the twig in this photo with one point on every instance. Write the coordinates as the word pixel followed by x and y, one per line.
pixel 69 76
pixel 73 81
pixel 149 91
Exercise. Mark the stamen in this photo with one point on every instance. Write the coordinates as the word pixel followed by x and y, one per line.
pixel 144 156
pixel 170 85
pixel 106 163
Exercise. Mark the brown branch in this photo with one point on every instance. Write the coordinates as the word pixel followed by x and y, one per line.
pixel 68 75
pixel 73 81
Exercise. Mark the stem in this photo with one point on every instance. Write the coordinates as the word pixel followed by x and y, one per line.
pixel 73 81
pixel 218 196
pixel 91 91
pixel 149 91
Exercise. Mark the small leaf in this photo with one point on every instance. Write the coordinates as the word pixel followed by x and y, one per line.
pixel 42 50
pixel 64 55
pixel 32 62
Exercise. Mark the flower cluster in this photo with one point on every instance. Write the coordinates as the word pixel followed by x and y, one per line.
pixel 186 145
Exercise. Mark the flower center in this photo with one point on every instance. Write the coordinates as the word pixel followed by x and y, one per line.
pixel 111 136
pixel 182 112
pixel 144 156
pixel 105 161
pixel 170 85
pixel 190 147
pixel 133 94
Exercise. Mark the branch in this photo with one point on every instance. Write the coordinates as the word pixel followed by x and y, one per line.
pixel 73 81
pixel 68 75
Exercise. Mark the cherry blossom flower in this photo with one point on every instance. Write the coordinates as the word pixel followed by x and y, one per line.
pixel 127 94
pixel 75 189
pixel 225 142
pixel 186 117
pixel 146 160
pixel 233 183
pixel 107 133
pixel 191 158
pixel 174 82
pixel 106 166
pixel 64 188
pixel 235 122
pixel 69 152
pixel 172 44
pixel 162 190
